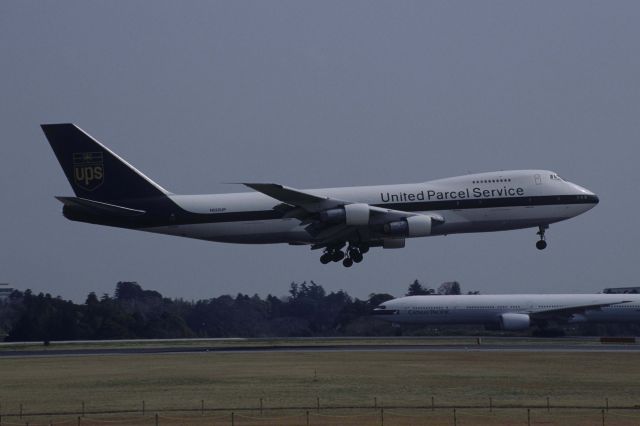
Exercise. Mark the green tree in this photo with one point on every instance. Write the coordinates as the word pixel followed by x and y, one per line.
pixel 376 299
pixel 449 287
pixel 417 289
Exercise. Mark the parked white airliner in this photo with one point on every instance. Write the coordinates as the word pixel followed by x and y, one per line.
pixel 109 191
pixel 511 311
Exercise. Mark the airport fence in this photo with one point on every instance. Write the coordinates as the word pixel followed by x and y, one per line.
pixel 318 414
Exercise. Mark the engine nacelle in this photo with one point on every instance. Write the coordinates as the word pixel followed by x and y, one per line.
pixel 393 243
pixel 350 214
pixel 514 322
pixel 577 318
pixel 413 226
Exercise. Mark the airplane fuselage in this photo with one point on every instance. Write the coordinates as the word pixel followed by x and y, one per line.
pixel 490 309
pixel 482 202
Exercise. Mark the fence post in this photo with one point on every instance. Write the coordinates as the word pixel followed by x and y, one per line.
pixel 548 405
pixel 528 416
pixel 490 404
pixel 21 411
pixel 79 420
pixel 381 416
pixel 455 418
pixel 202 407
pixel 602 417
pixel 307 417
pixel 260 406
pixel 318 404
pixel 157 420
pixel 143 408
pixel 83 415
pixel 433 406
pixel 606 400
pixel 375 402
pixel 233 421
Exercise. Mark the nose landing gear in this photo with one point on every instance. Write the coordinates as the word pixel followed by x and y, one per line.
pixel 542 244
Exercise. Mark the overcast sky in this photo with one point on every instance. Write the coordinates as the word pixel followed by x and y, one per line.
pixel 321 94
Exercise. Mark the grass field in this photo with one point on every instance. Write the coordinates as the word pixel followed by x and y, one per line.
pixel 277 342
pixel 237 381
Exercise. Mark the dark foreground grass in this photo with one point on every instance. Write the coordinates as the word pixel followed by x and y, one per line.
pixel 236 381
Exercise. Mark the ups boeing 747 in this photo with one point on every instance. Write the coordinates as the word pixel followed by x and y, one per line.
pixel 343 222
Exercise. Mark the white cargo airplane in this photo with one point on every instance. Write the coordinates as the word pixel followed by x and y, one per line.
pixel 109 191
pixel 511 311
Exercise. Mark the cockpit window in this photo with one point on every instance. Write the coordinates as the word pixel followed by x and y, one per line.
pixel 556 177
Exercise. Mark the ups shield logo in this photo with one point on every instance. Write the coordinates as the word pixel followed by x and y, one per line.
pixel 88 170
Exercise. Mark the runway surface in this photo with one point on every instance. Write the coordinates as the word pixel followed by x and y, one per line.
pixel 406 347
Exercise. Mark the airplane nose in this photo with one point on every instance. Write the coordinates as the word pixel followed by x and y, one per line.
pixel 590 196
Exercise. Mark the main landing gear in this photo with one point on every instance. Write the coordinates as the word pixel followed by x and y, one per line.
pixel 354 254
pixel 542 244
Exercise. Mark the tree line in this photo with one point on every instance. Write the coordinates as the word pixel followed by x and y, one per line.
pixel 135 313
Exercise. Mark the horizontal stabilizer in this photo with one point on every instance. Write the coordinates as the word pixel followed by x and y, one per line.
pixel 99 207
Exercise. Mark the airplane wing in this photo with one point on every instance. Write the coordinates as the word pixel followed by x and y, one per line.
pixel 309 208
pixel 314 203
pixel 566 312
pixel 294 197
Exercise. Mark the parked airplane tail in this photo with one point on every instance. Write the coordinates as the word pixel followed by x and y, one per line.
pixel 95 172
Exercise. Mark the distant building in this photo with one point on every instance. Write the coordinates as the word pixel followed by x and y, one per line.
pixel 623 290
pixel 5 291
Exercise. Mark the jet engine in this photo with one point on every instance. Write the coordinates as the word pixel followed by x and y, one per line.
pixel 577 318
pixel 350 214
pixel 513 322
pixel 413 226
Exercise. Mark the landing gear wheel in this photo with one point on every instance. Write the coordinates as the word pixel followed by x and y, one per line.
pixel 326 258
pixel 542 244
pixel 347 262
pixel 364 249
pixel 337 256
pixel 355 254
